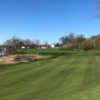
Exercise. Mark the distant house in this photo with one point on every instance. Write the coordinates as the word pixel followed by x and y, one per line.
pixel 52 46
pixel 47 46
pixel 23 47
pixel 43 46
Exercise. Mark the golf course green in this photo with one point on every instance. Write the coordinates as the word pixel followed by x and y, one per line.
pixel 67 75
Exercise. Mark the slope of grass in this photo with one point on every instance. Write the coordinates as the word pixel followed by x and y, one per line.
pixel 73 75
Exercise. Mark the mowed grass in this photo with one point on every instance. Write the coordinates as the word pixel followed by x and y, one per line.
pixel 69 75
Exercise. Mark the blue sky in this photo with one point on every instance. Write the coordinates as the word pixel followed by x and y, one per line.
pixel 47 20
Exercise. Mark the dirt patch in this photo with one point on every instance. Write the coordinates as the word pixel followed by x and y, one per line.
pixel 12 58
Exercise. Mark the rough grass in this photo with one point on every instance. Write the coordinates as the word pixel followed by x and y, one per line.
pixel 70 75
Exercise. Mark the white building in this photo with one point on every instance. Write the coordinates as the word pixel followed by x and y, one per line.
pixel 52 46
pixel 23 47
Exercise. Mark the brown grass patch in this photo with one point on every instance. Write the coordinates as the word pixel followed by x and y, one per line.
pixel 11 58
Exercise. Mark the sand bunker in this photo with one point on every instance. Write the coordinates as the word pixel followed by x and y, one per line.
pixel 13 59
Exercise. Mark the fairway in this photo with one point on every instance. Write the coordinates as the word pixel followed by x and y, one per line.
pixel 71 75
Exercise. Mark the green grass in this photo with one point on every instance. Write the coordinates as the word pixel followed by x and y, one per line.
pixel 69 75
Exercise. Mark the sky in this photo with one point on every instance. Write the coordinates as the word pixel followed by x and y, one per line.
pixel 47 20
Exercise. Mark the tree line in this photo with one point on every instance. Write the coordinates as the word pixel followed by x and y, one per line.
pixel 14 44
pixel 69 41
pixel 17 43
pixel 80 42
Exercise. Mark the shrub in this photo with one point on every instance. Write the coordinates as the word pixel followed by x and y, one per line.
pixel 87 45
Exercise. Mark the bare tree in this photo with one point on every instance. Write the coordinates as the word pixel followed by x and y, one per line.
pixel 14 42
pixel 69 40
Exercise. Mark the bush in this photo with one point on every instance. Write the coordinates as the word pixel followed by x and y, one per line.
pixel 87 45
